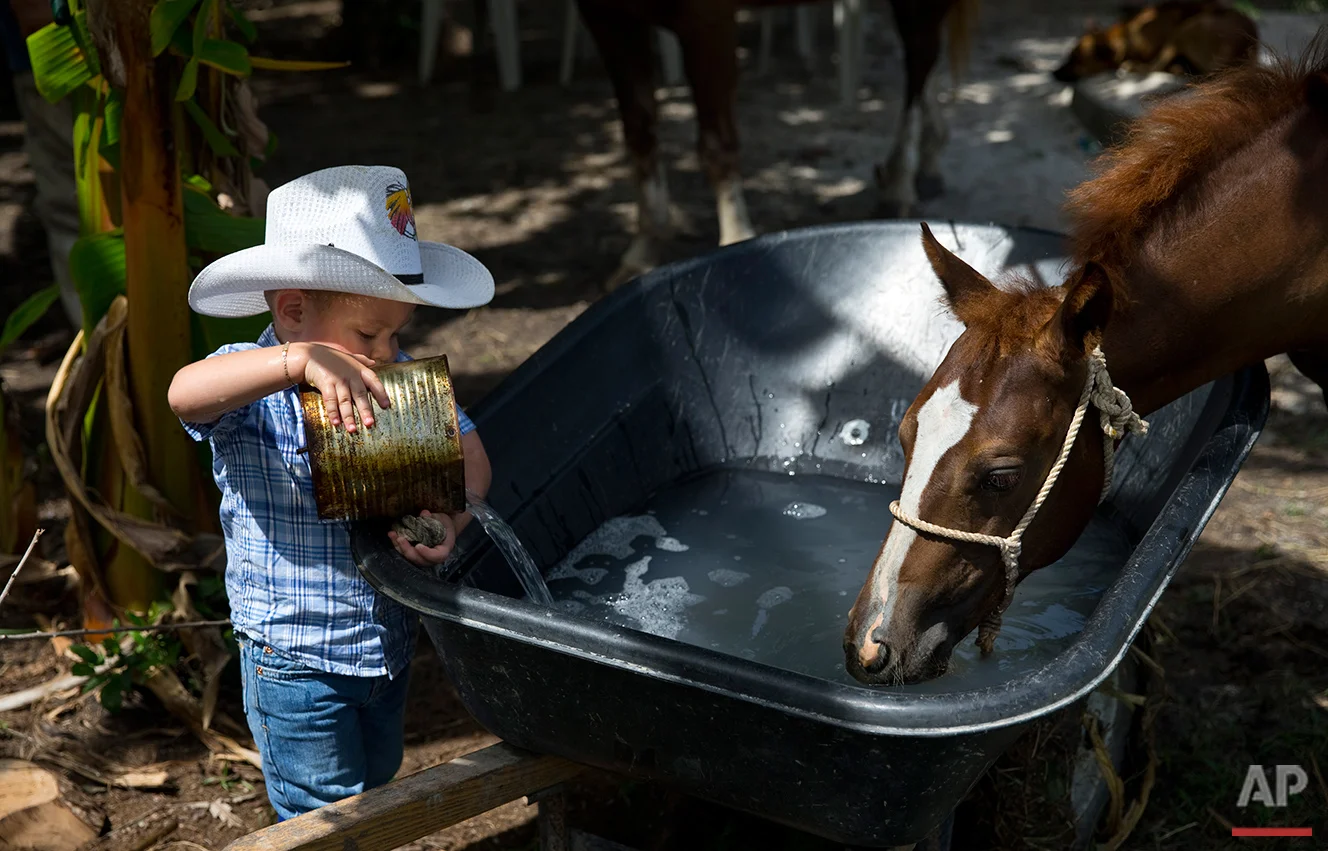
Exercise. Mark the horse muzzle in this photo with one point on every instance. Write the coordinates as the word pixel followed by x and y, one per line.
pixel 875 656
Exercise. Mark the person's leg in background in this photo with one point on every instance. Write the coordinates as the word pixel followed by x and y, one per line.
pixel 48 142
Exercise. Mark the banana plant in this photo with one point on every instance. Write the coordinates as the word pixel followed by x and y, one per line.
pixel 166 141
pixel 134 67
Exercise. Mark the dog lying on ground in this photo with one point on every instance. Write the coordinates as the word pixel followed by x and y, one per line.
pixel 1187 37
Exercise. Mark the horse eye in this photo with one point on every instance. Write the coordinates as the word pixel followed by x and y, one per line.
pixel 1001 480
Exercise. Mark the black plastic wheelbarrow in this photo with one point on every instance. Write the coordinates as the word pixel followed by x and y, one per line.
pixel 657 382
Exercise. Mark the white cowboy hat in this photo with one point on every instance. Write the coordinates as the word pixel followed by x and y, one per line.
pixel 349 229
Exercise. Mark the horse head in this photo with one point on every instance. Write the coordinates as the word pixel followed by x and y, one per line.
pixel 980 441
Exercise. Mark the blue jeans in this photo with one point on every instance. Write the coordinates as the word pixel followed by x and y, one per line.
pixel 323 737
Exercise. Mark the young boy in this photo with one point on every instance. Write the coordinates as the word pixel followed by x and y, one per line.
pixel 323 657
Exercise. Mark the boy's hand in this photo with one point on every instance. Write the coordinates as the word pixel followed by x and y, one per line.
pixel 420 555
pixel 344 379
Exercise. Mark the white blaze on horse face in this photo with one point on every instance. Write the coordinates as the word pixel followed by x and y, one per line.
pixel 942 422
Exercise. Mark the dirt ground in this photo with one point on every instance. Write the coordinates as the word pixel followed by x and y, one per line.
pixel 536 187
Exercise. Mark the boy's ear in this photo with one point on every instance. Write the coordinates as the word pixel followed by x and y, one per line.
pixel 290 309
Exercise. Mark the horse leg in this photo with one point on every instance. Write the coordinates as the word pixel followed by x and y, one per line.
pixel 1313 364
pixel 935 134
pixel 919 24
pixel 624 43
pixel 708 33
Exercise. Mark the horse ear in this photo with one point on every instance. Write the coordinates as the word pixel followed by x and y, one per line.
pixel 965 288
pixel 1083 314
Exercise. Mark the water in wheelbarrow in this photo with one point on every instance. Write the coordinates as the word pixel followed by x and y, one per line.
pixel 765 566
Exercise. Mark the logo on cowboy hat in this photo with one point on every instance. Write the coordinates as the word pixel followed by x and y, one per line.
pixel 347 229
pixel 399 210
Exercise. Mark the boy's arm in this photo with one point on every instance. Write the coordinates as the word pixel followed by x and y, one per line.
pixel 204 391
pixel 479 475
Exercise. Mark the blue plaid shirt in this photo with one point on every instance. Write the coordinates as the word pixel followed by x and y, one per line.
pixel 290 576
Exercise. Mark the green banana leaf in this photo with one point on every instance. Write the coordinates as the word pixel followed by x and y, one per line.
pixel 60 65
pixel 210 229
pixel 167 16
pixel 87 158
pixel 182 42
pixel 112 114
pixel 202 23
pixel 246 27
pixel 90 420
pixel 216 140
pixel 97 267
pixel 228 56
pixel 79 24
pixel 23 316
pixel 188 80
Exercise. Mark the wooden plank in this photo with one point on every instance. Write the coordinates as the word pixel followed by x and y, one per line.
pixel 416 805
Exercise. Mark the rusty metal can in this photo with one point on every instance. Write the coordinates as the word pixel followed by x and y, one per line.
pixel 411 460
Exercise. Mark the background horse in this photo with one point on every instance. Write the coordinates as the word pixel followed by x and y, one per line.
pixel 707 32
pixel 1201 248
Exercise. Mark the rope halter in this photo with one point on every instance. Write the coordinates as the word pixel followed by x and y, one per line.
pixel 1117 418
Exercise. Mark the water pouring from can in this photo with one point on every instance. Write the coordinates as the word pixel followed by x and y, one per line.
pixel 410 461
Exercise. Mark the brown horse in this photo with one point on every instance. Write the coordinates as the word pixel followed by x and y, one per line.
pixel 1201 247
pixel 707 33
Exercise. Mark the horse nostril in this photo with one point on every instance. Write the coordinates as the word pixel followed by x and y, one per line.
pixel 879 661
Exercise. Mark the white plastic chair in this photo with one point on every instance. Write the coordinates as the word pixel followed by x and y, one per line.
pixel 848 27
pixel 503 22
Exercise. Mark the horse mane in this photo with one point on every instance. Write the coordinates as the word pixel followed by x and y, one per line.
pixel 1180 139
